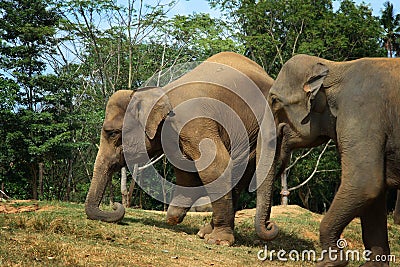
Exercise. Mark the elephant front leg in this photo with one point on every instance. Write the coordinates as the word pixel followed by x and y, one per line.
pixel 375 233
pixel 187 192
pixel 216 177
pixel 360 194
pixel 244 182
pixel 222 222
pixel 220 192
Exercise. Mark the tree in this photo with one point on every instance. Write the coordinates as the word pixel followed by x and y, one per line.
pixel 27 32
pixel 273 31
pixel 391 25
pixel 198 36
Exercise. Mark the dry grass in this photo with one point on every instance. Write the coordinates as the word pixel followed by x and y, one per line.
pixel 60 235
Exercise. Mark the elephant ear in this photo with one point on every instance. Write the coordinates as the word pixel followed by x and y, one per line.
pixel 154 108
pixel 312 87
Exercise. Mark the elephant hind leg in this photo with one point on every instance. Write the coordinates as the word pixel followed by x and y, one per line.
pixel 217 180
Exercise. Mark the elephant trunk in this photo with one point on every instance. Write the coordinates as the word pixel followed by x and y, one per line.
pixel 102 175
pixel 265 229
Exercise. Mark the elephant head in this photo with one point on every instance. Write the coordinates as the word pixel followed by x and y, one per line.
pixel 140 116
pixel 304 117
pixel 299 101
pixel 109 158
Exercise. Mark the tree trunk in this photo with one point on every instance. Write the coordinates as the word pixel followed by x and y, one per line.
pixel 132 185
pixel 69 181
pixel 124 190
pixel 41 180
pixel 284 192
pixel 34 182
pixel 163 183
pixel 111 193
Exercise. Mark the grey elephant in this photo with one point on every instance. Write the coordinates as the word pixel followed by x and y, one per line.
pixel 203 91
pixel 356 104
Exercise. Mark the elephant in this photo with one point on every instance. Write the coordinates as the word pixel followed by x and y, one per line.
pixel 149 111
pixel 356 104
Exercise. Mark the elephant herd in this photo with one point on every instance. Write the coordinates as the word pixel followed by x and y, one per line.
pixel 226 125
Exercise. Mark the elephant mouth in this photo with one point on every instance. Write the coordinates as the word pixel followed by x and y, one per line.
pixel 289 136
pixel 117 161
pixel 130 158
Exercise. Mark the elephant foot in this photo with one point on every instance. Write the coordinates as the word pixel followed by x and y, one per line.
pixel 175 215
pixel 173 220
pixel 220 236
pixel 329 263
pixel 205 230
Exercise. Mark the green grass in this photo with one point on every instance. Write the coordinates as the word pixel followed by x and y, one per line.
pixel 60 235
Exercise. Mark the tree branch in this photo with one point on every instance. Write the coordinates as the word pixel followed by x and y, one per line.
pixel 315 169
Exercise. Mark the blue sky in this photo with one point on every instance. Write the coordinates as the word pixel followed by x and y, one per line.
pixel 185 7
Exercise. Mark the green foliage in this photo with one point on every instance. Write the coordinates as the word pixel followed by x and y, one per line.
pixel 273 31
pixel 391 26
pixel 317 194
pixel 199 36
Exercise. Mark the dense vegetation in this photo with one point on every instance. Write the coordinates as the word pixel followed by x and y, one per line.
pixel 61 60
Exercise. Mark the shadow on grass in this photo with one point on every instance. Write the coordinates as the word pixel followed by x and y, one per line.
pixel 161 223
pixel 285 241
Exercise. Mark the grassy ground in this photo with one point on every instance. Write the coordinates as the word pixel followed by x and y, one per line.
pixel 58 234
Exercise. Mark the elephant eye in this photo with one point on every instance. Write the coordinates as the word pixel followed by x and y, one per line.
pixel 274 101
pixel 112 133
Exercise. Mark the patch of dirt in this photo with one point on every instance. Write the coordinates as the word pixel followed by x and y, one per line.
pixel 310 235
pixel 18 206
pixel 289 210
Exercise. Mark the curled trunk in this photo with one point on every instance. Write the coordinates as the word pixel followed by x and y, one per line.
pixel 101 177
pixel 266 229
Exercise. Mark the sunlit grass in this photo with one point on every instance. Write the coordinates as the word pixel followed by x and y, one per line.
pixel 60 235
